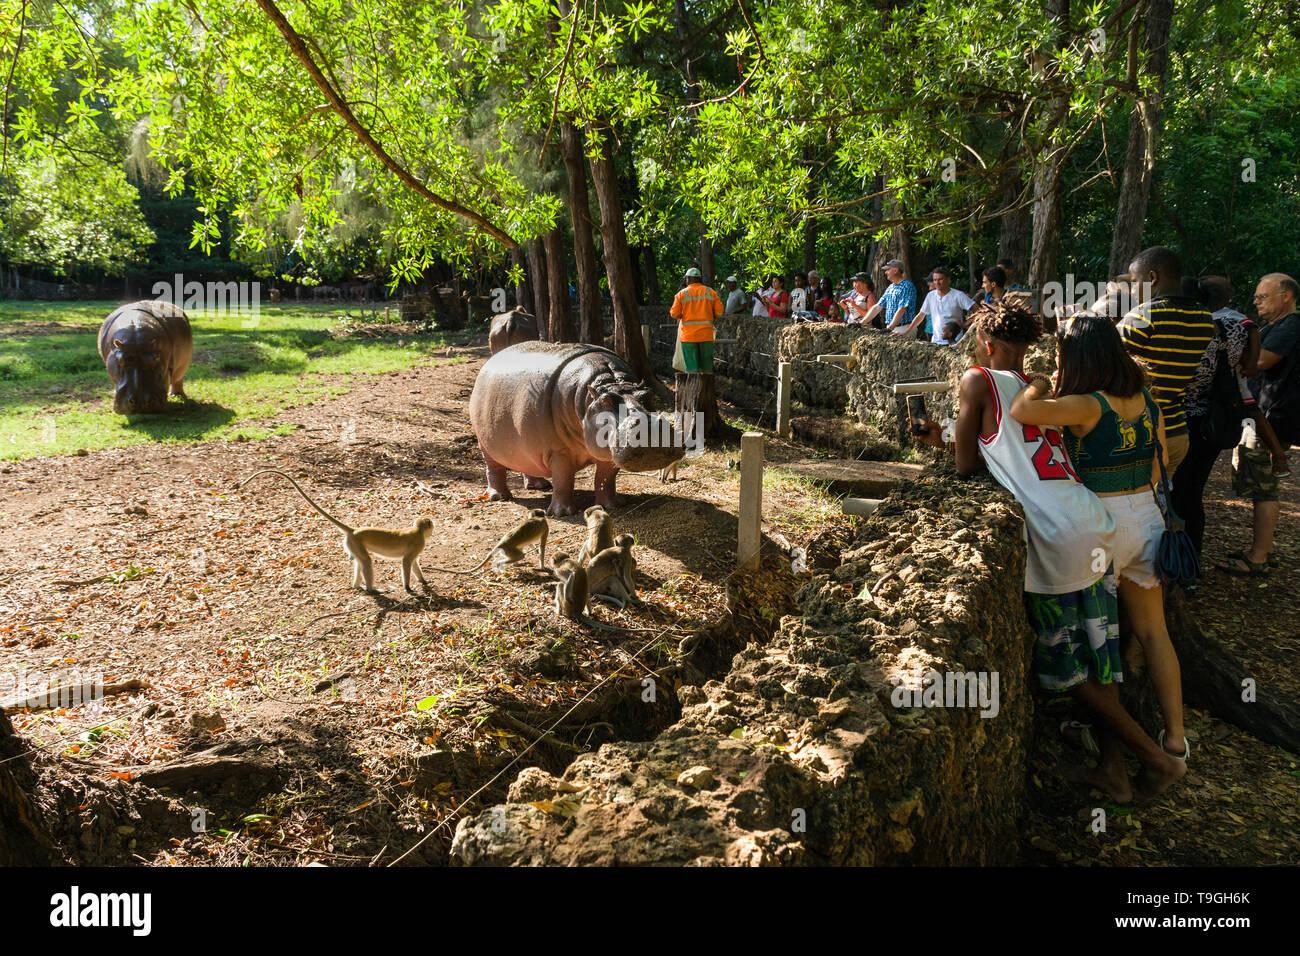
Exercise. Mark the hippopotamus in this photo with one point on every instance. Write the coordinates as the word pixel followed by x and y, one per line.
pixel 511 328
pixel 146 347
pixel 547 408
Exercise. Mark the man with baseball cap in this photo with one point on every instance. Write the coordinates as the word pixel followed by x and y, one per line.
pixel 899 300
pixel 736 300
pixel 695 307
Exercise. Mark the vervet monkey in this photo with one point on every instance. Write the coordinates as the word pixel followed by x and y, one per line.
pixel 611 574
pixel 669 472
pixel 510 548
pixel 361 542
pixel 571 588
pixel 600 532
pixel 571 596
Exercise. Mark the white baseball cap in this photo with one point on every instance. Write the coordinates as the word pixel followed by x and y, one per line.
pixel 732 279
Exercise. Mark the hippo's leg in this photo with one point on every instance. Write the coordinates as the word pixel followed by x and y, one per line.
pixel 604 484
pixel 498 489
pixel 533 483
pixel 562 496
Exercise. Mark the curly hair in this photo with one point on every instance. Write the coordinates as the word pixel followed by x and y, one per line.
pixel 1011 323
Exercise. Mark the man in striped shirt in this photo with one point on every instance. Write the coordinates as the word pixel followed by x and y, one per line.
pixel 1167 335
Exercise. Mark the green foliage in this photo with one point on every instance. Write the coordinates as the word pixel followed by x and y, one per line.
pixel 70 216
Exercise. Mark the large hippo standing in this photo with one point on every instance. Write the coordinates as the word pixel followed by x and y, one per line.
pixel 545 408
pixel 146 347
pixel 511 328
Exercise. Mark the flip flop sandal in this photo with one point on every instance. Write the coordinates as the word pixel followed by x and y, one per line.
pixel 1086 739
pixel 1257 569
pixel 1187 748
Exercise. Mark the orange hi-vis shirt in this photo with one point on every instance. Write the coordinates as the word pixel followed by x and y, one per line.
pixel 695 308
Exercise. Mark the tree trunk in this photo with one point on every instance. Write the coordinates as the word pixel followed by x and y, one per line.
pixel 809 244
pixel 584 244
pixel 557 286
pixel 706 258
pixel 523 291
pixel 24 840
pixel 1143 133
pixel 1013 237
pixel 650 268
pixel 1045 244
pixel 618 261
pixel 537 280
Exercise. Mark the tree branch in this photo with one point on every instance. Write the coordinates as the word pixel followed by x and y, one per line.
pixel 300 50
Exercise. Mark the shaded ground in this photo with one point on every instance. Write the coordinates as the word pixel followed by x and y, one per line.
pixel 320 723
pixel 323 724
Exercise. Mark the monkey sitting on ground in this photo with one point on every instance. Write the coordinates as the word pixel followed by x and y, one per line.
pixel 669 472
pixel 510 548
pixel 360 543
pixel 600 532
pixel 611 574
pixel 571 594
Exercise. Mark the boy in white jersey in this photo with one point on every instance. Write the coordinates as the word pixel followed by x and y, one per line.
pixel 1070 593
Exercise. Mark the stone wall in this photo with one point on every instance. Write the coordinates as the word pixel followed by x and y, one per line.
pixel 800 754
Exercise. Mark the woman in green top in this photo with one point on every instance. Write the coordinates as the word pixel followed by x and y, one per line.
pixel 1111 427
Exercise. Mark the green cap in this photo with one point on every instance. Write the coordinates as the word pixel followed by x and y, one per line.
pixel 693 273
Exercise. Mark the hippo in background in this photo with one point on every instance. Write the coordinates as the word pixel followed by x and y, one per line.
pixel 146 347
pixel 546 408
pixel 511 328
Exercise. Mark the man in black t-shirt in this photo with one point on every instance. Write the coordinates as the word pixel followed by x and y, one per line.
pixel 1277 389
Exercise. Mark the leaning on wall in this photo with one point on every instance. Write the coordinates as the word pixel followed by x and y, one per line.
pixel 800 755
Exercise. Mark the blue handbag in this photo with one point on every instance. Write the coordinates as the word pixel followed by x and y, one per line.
pixel 1176 557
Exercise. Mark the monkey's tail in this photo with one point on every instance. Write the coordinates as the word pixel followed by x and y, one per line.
pixel 272 471
pixel 476 567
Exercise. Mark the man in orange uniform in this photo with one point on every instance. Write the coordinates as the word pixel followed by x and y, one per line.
pixel 695 307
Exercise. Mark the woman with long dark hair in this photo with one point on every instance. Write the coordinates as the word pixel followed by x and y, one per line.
pixel 1111 426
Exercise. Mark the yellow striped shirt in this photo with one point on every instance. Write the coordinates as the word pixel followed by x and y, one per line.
pixel 1168 336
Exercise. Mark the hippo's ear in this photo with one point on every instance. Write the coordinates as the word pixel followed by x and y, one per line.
pixel 117 343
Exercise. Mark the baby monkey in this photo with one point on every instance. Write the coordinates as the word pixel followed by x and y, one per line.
pixel 611 574
pixel 360 543
pixel 600 532
pixel 571 594
pixel 510 549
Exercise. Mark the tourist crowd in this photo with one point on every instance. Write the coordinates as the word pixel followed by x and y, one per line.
pixel 1109 458
pixel 944 315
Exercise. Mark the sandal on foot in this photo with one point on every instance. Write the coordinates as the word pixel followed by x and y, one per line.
pixel 1255 568
pixel 1084 731
pixel 1271 560
pixel 1187 748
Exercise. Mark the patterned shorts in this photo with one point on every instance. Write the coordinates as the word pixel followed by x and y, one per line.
pixel 1252 474
pixel 1078 635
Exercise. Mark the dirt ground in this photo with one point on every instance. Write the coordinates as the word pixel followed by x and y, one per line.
pixel 340 725
pixel 332 726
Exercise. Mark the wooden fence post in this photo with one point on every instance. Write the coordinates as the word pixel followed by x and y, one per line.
pixel 749 534
pixel 783 384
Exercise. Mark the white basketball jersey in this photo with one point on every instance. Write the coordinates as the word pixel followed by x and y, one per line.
pixel 1069 531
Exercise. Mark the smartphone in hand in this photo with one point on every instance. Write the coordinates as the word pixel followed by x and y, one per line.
pixel 917 415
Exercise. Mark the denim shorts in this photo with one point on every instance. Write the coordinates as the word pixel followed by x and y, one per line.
pixel 1138 527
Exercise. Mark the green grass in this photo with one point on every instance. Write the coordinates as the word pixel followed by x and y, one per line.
pixel 56 397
